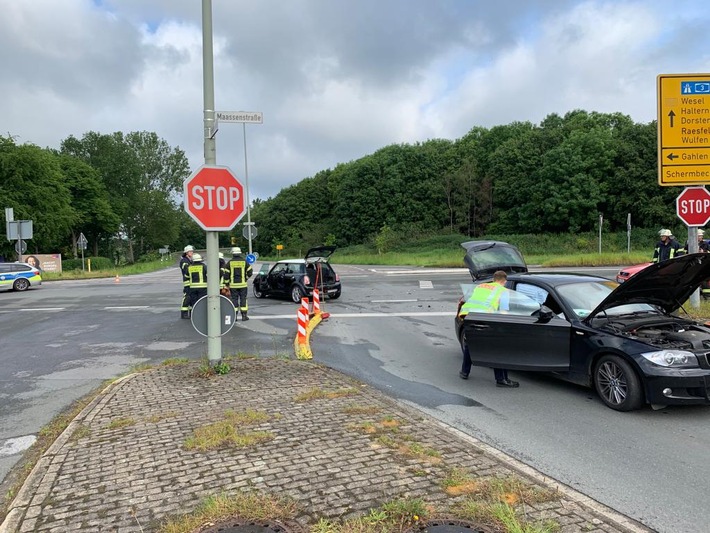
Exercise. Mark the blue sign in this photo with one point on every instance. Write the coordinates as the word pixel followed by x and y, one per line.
pixel 695 87
pixel 251 259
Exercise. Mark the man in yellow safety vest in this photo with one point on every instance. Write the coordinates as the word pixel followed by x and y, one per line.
pixel 487 298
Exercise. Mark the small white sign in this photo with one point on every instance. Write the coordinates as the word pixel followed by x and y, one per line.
pixel 249 117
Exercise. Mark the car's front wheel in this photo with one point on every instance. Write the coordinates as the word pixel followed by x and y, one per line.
pixel 296 294
pixel 21 284
pixel 617 384
pixel 258 292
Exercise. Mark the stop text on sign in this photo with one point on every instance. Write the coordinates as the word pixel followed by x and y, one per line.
pixel 211 197
pixel 214 198
pixel 694 207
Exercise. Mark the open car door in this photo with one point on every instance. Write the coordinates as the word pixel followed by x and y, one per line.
pixel 525 337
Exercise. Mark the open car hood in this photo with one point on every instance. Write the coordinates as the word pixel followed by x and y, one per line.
pixel 483 258
pixel 667 284
pixel 320 253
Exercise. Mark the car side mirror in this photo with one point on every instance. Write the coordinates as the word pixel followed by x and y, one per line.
pixel 545 314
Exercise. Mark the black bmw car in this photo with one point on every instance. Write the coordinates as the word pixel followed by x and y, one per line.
pixel 623 340
pixel 296 278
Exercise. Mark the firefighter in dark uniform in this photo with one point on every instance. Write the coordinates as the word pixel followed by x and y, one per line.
pixel 223 276
pixel 667 248
pixel 239 272
pixel 197 275
pixel 185 261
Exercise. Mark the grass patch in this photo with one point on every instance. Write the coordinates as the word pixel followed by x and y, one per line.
pixel 391 517
pixel 320 394
pixel 118 423
pixel 80 432
pixel 228 433
pixel 510 490
pixel 175 361
pixel 247 505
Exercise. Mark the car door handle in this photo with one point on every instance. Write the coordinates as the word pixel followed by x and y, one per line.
pixel 480 326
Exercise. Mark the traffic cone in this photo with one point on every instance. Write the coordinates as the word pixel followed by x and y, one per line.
pixel 117 279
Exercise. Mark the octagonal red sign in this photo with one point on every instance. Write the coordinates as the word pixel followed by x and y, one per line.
pixel 214 198
pixel 693 206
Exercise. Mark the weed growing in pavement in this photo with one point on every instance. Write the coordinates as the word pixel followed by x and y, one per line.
pixel 122 422
pixel 228 432
pixel 249 505
pixel 208 370
pixel 391 517
pixel 320 394
pixel 141 367
pixel 510 490
pixel 175 361
pixel 80 432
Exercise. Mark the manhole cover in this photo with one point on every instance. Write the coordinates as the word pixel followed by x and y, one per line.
pixel 442 525
pixel 250 526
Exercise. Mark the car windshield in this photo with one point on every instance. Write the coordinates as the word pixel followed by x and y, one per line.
pixel 584 297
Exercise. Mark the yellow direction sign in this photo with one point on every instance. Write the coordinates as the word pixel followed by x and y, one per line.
pixel 683 129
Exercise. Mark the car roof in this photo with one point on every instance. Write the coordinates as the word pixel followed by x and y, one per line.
pixel 555 279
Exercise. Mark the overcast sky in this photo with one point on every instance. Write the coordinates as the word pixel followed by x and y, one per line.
pixel 335 79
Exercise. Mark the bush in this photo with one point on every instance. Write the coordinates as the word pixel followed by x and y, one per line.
pixel 97 263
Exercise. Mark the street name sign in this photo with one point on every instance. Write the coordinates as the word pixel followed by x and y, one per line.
pixel 214 198
pixel 693 206
pixel 247 117
pixel 683 129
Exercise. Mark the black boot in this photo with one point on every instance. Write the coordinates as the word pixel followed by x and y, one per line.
pixel 184 314
pixel 244 316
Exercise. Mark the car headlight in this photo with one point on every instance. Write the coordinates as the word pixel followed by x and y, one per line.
pixel 672 358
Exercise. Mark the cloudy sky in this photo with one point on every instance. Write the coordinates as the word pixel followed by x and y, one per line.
pixel 334 79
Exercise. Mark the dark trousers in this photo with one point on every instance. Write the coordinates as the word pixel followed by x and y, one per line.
pixel 185 305
pixel 239 299
pixel 195 294
pixel 500 374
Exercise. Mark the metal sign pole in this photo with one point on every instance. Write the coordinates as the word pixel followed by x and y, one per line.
pixel 246 182
pixel 214 339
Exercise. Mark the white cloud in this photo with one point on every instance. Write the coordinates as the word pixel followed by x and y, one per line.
pixel 335 79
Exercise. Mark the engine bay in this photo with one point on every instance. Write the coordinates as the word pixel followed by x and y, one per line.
pixel 671 333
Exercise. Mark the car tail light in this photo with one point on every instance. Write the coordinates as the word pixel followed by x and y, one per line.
pixel 306 280
pixel 337 277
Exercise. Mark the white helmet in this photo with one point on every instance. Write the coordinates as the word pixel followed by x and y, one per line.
pixel 197 258
pixel 188 248
pixel 236 250
pixel 700 233
pixel 665 233
pixel 221 255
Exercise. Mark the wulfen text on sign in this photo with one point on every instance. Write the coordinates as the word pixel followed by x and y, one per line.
pixel 683 129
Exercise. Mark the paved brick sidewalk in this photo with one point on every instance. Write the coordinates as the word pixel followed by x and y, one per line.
pixel 104 476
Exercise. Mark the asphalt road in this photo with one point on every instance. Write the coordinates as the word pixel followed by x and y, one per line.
pixel 392 328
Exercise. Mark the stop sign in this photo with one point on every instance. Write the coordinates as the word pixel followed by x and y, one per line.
pixel 693 206
pixel 214 198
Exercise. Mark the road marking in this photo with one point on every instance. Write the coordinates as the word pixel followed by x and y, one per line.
pixel 425 284
pixel 45 309
pixel 16 445
pixel 130 307
pixel 392 301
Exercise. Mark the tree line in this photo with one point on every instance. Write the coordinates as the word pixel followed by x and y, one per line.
pixel 520 178
pixel 124 191
pixel 121 191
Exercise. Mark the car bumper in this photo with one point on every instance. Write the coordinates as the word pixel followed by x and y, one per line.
pixel 678 390
pixel 327 290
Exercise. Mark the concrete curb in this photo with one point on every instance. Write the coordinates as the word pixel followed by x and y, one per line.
pixel 40 480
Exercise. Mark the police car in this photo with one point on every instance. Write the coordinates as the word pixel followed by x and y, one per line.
pixel 19 276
